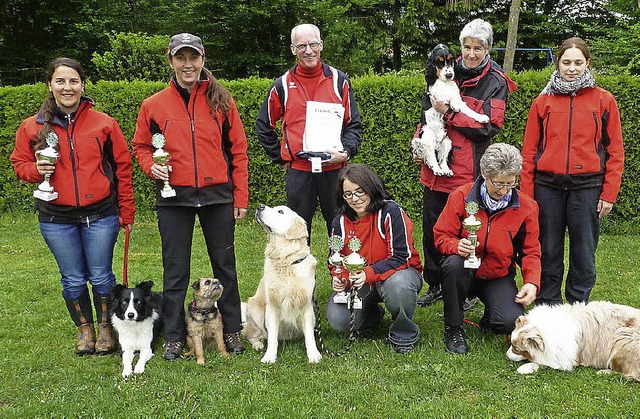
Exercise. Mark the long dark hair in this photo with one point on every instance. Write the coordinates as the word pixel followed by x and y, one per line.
pixel 218 98
pixel 363 176
pixel 49 105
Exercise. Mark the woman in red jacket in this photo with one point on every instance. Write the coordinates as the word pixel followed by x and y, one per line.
pixel 573 161
pixel 392 274
pixel 92 179
pixel 196 122
pixel 508 236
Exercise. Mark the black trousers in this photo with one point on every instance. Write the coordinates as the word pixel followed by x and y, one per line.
pixel 433 203
pixel 305 189
pixel 498 296
pixel 176 225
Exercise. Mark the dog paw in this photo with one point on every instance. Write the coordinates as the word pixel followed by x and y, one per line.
pixel 483 119
pixel 528 368
pixel 126 372
pixel 139 370
pixel 269 359
pixel 600 372
pixel 514 357
pixel 314 357
pixel 448 173
pixel 200 361
pixel 258 346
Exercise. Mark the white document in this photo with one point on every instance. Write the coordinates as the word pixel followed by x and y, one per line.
pixel 323 128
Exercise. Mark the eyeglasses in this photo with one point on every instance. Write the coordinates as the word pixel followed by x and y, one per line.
pixel 303 47
pixel 358 193
pixel 502 185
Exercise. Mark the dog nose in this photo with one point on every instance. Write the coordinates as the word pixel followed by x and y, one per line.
pixel 130 315
pixel 261 207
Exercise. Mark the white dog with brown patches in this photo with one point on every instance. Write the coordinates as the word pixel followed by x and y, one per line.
pixel 282 307
pixel 599 334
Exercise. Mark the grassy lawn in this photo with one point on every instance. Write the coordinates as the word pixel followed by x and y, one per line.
pixel 41 377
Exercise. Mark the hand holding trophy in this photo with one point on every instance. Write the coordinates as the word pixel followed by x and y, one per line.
pixel 161 157
pixel 354 262
pixel 472 225
pixel 45 191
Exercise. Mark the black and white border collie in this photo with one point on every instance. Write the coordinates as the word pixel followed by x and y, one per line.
pixel 134 313
pixel 434 144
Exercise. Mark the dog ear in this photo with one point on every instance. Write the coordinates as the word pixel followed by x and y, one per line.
pixel 534 342
pixel 521 321
pixel 196 285
pixel 298 229
pixel 146 285
pixel 116 289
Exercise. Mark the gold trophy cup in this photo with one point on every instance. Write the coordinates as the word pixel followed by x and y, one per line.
pixel 354 262
pixel 45 191
pixel 472 225
pixel 161 157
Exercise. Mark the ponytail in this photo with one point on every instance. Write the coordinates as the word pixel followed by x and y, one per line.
pixel 47 110
pixel 218 98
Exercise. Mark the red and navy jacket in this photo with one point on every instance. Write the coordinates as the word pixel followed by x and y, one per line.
pixel 287 100
pixel 92 175
pixel 508 237
pixel 387 242
pixel 484 91
pixel 574 142
pixel 208 151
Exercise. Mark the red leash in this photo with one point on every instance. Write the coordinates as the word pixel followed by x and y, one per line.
pixel 125 263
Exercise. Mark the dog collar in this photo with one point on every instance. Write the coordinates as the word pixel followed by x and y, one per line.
pixel 194 309
pixel 295 262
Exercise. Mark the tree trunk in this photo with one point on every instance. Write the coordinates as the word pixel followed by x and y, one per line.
pixel 512 35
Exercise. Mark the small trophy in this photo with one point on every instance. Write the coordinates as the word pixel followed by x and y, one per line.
pixel 161 157
pixel 354 262
pixel 335 245
pixel 45 191
pixel 472 225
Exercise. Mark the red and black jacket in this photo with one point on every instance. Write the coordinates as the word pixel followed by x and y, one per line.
pixel 484 91
pixel 93 173
pixel 387 242
pixel 287 100
pixel 574 142
pixel 208 152
pixel 507 237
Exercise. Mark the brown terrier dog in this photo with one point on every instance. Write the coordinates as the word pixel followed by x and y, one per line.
pixel 204 322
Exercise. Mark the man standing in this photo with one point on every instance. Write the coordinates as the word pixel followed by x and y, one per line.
pixel 312 148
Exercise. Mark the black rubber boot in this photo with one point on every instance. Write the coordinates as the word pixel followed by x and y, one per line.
pixel 82 315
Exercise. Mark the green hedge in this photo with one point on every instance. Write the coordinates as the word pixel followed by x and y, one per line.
pixel 390 107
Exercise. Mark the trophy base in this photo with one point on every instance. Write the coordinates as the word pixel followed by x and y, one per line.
pixel 341 298
pixel 357 303
pixel 472 264
pixel 45 196
pixel 170 193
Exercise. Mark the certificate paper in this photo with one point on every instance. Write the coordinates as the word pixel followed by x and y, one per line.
pixel 323 128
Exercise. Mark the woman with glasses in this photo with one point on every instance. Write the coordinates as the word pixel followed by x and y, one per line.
pixel 508 235
pixel 573 161
pixel 393 267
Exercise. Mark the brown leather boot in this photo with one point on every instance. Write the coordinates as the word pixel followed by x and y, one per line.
pixel 86 340
pixel 106 342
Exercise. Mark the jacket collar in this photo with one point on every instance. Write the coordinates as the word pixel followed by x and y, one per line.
pixel 326 71
pixel 474 196
pixel 61 118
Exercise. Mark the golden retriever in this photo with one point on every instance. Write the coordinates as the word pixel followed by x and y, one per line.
pixel 282 307
pixel 599 334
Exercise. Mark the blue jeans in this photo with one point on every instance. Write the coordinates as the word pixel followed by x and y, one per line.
pixel 399 293
pixel 84 253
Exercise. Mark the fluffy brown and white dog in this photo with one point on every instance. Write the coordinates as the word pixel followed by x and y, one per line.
pixel 599 334
pixel 204 322
pixel 282 307
pixel 434 144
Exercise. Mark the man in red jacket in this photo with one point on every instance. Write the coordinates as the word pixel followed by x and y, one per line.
pixel 508 236
pixel 310 84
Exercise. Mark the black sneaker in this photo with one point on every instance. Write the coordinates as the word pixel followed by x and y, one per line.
pixel 403 349
pixel 469 303
pixel 173 350
pixel 454 340
pixel 433 294
pixel 233 344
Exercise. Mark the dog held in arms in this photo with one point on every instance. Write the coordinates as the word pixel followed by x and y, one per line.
pixel 599 334
pixel 204 322
pixel 282 307
pixel 434 144
pixel 135 315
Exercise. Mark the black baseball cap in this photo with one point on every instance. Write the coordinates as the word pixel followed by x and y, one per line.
pixel 187 40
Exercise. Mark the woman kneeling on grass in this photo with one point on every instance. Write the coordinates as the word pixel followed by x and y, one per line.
pixel 392 274
pixel 92 179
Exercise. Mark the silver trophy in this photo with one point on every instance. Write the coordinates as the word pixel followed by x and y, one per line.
pixel 161 157
pixel 354 262
pixel 336 243
pixel 45 191
pixel 472 225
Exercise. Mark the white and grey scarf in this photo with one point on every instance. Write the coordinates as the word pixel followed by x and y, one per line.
pixel 491 204
pixel 558 85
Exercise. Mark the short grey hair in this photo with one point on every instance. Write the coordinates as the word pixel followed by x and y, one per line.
pixel 500 159
pixel 296 29
pixel 478 29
